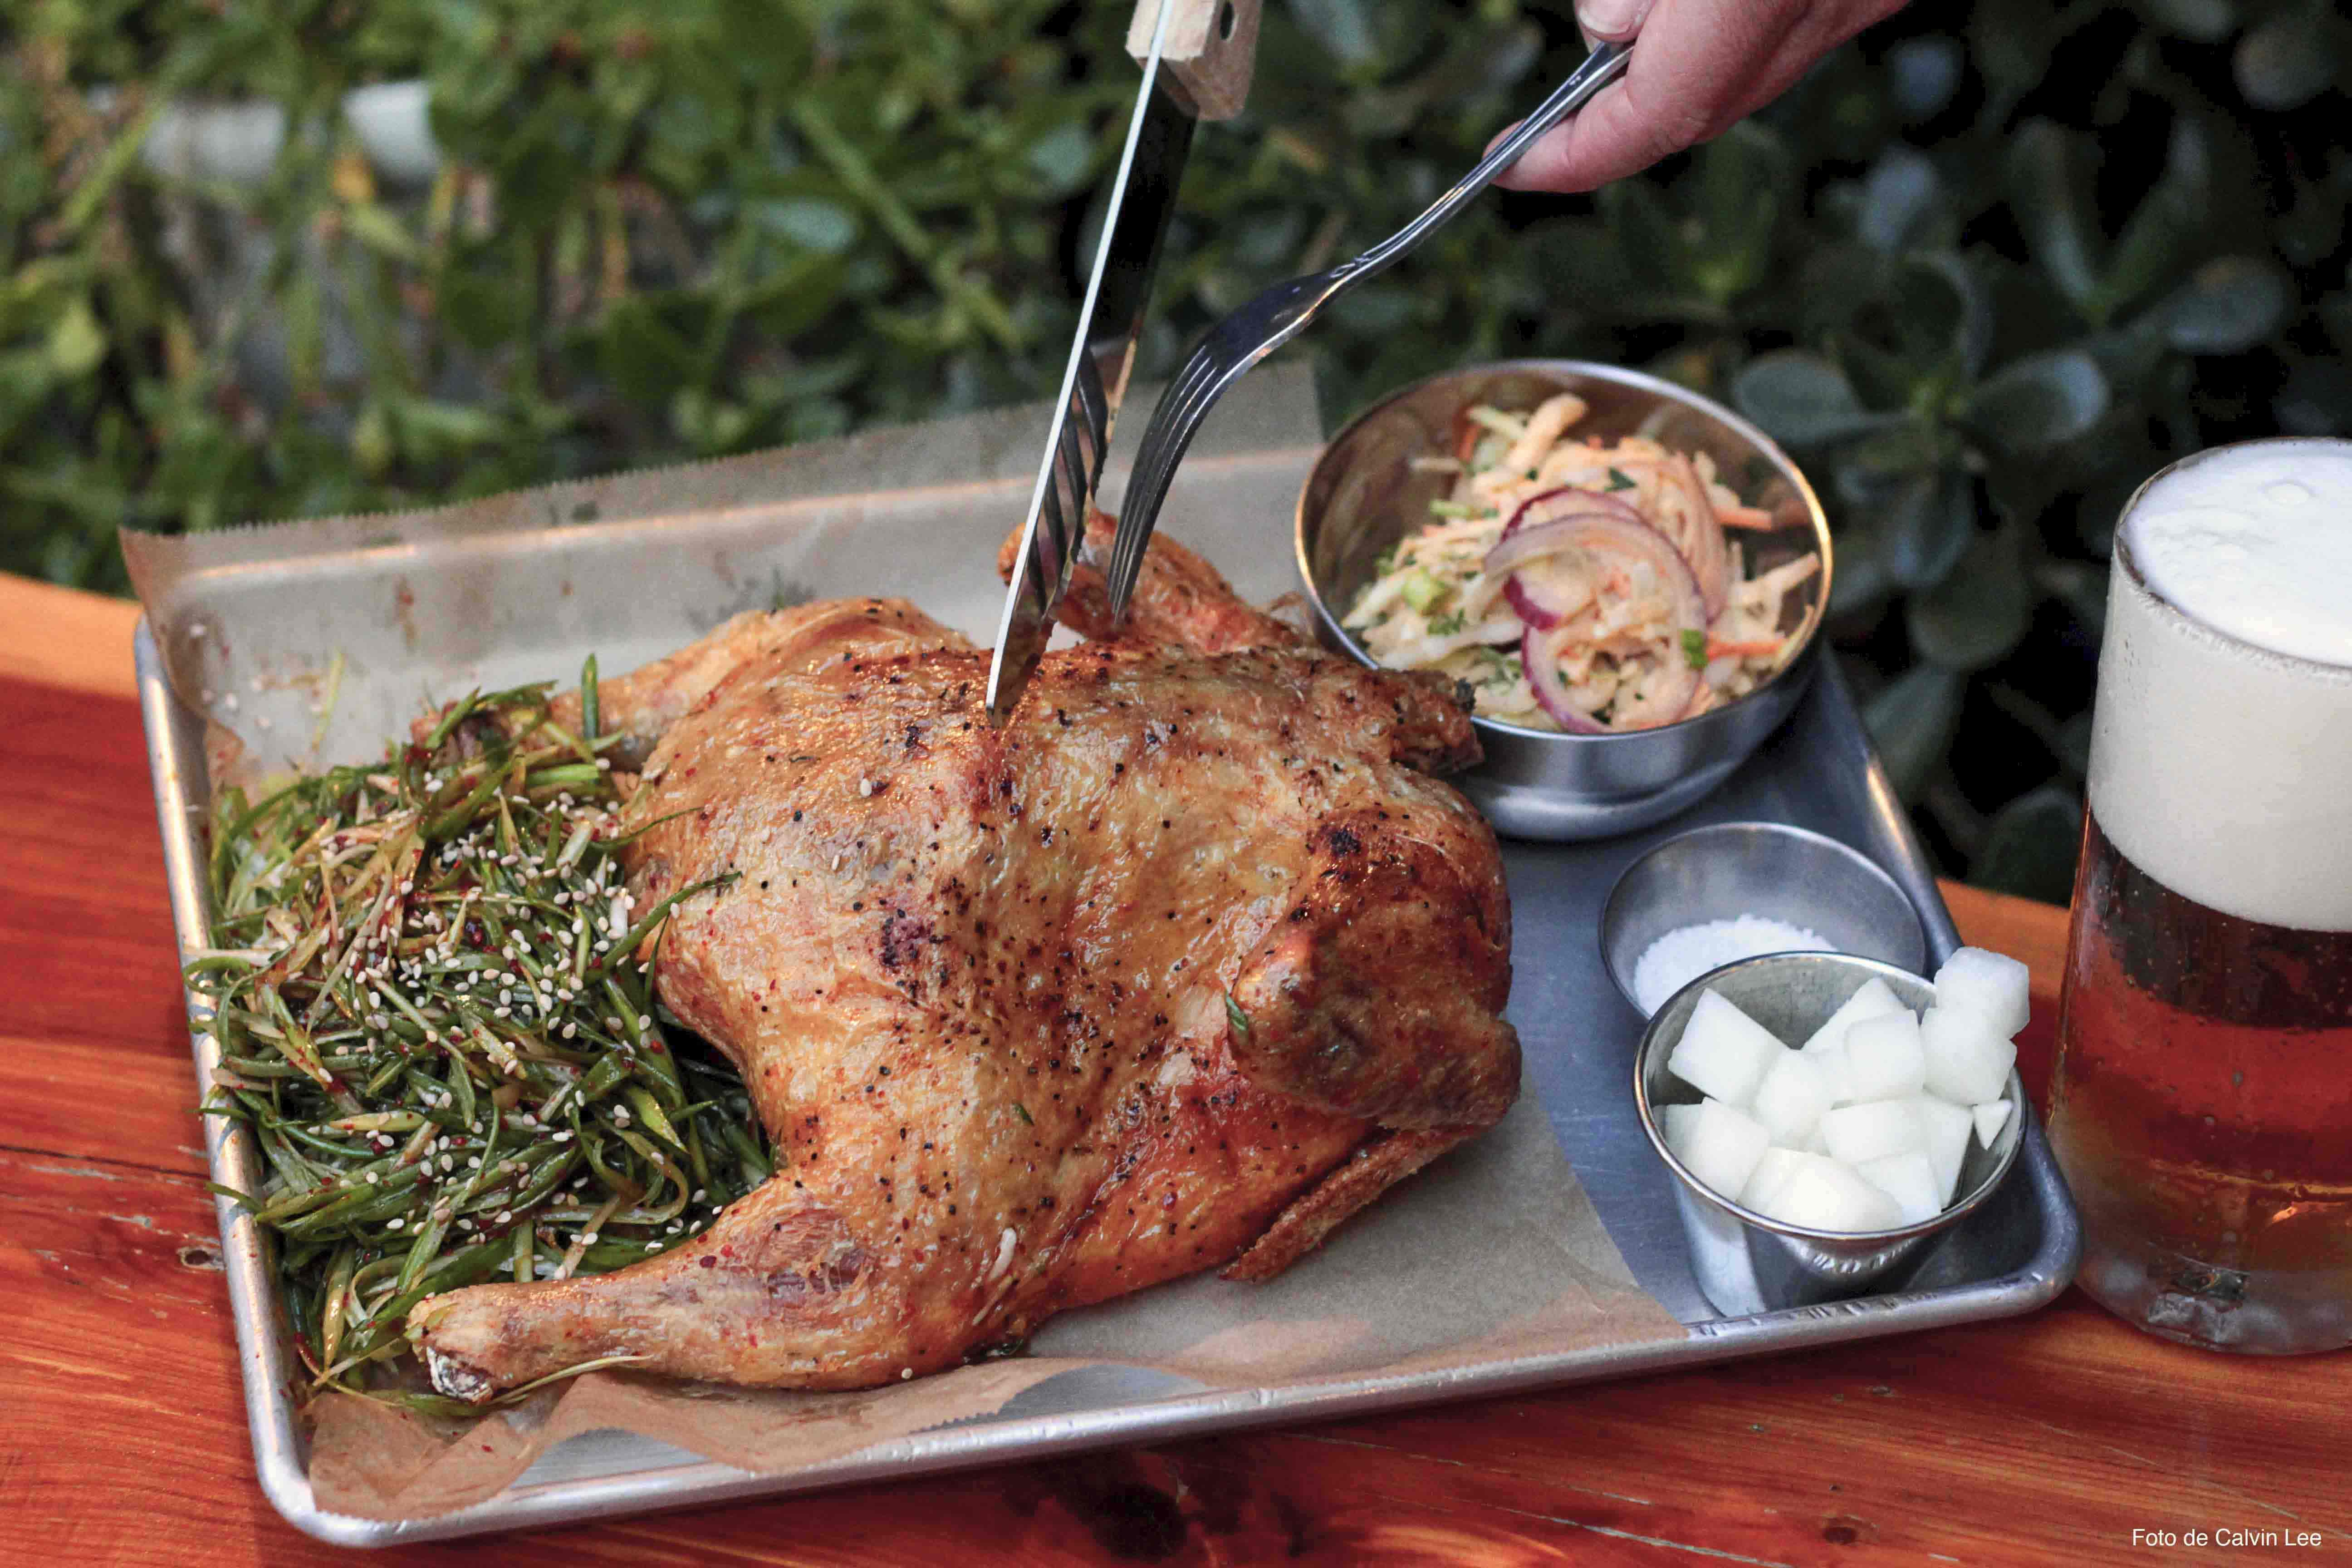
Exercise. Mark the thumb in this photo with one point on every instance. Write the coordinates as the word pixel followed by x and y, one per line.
pixel 1615 20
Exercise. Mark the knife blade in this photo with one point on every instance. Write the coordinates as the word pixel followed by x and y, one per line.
pixel 1214 41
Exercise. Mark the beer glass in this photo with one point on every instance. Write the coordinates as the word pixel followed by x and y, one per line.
pixel 2202 1101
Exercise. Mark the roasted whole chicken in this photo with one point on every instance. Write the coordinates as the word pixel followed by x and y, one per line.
pixel 1178 970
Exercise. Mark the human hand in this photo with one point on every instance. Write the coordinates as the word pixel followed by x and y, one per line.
pixel 1697 67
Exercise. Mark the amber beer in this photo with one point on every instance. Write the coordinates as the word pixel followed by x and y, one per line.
pixel 2203 1103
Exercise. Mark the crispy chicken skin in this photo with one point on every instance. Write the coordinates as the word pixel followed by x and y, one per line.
pixel 1178 970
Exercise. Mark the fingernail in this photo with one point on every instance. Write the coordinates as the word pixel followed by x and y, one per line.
pixel 1610 19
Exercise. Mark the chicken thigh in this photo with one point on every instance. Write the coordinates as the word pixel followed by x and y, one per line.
pixel 1177 970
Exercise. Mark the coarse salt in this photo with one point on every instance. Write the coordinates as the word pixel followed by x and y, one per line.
pixel 1681 956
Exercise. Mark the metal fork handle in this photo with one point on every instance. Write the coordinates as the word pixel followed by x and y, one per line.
pixel 1287 308
pixel 1601 68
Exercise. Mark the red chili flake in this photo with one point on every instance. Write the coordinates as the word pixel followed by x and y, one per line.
pixel 709 1262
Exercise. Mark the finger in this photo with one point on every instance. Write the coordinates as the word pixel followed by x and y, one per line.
pixel 1694 69
pixel 1615 20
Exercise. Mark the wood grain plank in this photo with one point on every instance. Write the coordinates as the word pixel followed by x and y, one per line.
pixel 64 638
pixel 2042 1440
pixel 1972 1443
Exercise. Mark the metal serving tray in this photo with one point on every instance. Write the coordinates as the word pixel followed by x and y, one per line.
pixel 2014 1254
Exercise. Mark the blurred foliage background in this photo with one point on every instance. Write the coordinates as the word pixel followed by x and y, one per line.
pixel 1985 270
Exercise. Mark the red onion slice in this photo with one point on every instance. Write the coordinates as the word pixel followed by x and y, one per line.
pixel 1597 527
pixel 1570 501
pixel 1667 700
pixel 1548 590
pixel 1602 534
pixel 1539 654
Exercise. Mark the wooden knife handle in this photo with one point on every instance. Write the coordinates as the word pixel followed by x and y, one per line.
pixel 1211 48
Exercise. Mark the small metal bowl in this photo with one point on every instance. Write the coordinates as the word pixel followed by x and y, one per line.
pixel 1766 868
pixel 1364 496
pixel 1793 993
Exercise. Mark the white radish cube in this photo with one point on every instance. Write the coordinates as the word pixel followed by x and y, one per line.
pixel 1910 1181
pixel 1967 1058
pixel 1874 1130
pixel 1721 1147
pixel 1813 1143
pixel 1723 1052
pixel 1822 1195
pixel 1884 1059
pixel 1991 1119
pixel 1674 1122
pixel 1837 1069
pixel 1987 984
pixel 1791 1096
pixel 1945 1128
pixel 1872 1001
pixel 1776 1167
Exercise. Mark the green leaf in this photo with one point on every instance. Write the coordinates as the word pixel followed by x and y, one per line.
pixel 380 231
pixel 1911 723
pixel 2030 845
pixel 1924 74
pixel 2042 401
pixel 2161 229
pixel 1929 524
pixel 76 342
pixel 2205 21
pixel 1741 174
pixel 2289 60
pixel 824 226
pixel 1975 616
pixel 1902 197
pixel 1062 158
pixel 1803 399
pixel 2047 184
pixel 1342 28
pixel 2229 306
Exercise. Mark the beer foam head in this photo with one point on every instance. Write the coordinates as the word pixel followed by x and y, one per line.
pixel 2256 541
pixel 2221 740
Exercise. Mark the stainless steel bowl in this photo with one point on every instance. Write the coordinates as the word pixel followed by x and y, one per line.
pixel 1793 993
pixel 1364 496
pixel 1766 868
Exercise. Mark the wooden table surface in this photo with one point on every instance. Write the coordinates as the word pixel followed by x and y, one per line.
pixel 2046 1439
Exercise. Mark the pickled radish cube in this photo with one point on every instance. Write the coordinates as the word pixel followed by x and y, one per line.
pixel 1945 1128
pixel 1723 1052
pixel 1874 1130
pixel 1988 985
pixel 1909 1180
pixel 1813 1143
pixel 1776 1167
pixel 1721 1147
pixel 1872 1001
pixel 1885 1058
pixel 1673 1121
pixel 1790 1100
pixel 1822 1195
pixel 1967 1058
pixel 1991 1117
pixel 1837 1069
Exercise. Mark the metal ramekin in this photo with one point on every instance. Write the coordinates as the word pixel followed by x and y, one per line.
pixel 1364 496
pixel 1793 993
pixel 1769 868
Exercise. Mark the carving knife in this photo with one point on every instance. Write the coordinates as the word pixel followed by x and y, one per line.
pixel 1196 57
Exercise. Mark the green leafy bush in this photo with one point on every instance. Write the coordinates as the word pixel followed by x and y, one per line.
pixel 1984 273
